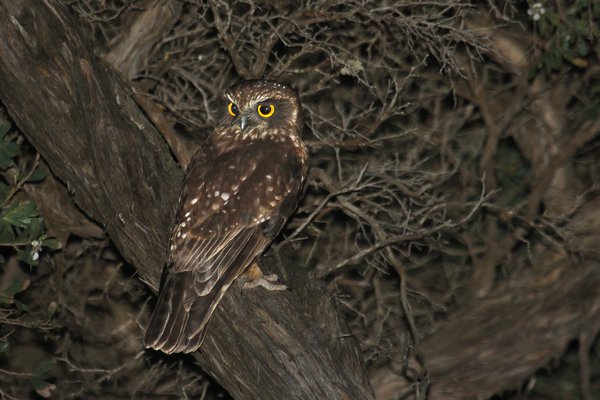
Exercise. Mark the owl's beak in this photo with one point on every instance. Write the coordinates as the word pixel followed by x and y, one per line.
pixel 243 122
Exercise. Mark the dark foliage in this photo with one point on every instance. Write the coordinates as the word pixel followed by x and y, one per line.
pixel 451 207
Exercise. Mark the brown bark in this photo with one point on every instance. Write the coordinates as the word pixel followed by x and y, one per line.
pixel 80 117
pixel 500 341
pixel 130 49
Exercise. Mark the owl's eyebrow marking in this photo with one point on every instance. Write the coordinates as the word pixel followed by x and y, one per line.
pixel 229 97
pixel 260 98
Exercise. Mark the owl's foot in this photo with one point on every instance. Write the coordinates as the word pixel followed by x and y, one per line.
pixel 254 277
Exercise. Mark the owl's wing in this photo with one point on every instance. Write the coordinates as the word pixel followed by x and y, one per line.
pixel 231 208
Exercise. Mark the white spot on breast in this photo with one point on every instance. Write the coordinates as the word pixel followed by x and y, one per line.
pixel 187 214
pixel 231 166
pixel 269 188
pixel 194 201
pixel 235 187
pixel 183 224
pixel 184 236
pixel 188 219
pixel 179 234
pixel 173 247
pixel 269 177
pixel 225 196
pixel 273 203
pixel 217 193
pixel 215 206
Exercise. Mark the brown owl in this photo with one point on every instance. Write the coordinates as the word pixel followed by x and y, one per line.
pixel 239 189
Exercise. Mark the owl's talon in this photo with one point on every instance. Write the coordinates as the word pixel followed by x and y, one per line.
pixel 255 277
pixel 271 277
pixel 267 284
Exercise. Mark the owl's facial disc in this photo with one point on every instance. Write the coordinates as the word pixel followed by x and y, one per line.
pixel 262 108
pixel 253 115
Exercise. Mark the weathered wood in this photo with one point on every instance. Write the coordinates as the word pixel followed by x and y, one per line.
pixel 80 117
pixel 499 341
pixel 130 49
pixel 129 53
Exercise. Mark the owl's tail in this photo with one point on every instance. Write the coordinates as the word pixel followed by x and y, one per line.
pixel 179 319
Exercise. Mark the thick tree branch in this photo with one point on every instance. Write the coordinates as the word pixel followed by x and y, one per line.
pixel 500 341
pixel 80 117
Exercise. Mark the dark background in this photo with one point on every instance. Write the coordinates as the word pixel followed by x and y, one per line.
pixel 449 229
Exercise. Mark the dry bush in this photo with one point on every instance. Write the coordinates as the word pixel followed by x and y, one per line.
pixel 444 162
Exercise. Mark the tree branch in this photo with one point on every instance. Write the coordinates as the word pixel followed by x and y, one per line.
pixel 82 120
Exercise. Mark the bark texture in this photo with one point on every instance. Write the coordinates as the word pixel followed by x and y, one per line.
pixel 80 116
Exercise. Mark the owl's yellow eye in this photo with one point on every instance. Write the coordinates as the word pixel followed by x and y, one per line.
pixel 266 110
pixel 233 110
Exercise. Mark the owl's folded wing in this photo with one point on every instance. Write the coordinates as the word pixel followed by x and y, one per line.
pixel 217 235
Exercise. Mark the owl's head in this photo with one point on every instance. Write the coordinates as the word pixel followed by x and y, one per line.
pixel 260 108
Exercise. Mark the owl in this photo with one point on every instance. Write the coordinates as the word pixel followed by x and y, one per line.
pixel 239 189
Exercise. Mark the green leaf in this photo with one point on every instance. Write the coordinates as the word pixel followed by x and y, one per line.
pixel 26 256
pixel 38 384
pixel 36 176
pixel 4 299
pixel 52 243
pixel 4 191
pixel 7 235
pixel 40 373
pixel 8 151
pixel 582 47
pixel 15 286
pixel 52 307
pixel 12 149
pixel 20 215
pixel 552 61
pixel 43 368
pixel 553 17
pixel 42 387
pixel 21 306
pixel 32 231
pixel 4 128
